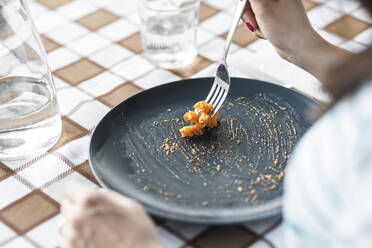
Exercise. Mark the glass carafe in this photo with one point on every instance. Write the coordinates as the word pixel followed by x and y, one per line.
pixel 30 122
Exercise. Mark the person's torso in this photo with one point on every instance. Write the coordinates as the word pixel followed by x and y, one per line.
pixel 328 187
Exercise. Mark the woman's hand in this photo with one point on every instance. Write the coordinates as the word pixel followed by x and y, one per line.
pixel 97 219
pixel 285 24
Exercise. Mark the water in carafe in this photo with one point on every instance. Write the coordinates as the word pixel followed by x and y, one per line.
pixel 30 122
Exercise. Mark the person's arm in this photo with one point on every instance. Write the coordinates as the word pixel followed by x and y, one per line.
pixel 318 56
pixel 285 24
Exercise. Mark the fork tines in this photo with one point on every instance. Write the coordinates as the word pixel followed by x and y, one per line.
pixel 219 90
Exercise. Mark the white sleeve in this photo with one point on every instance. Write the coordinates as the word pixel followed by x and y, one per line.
pixel 328 185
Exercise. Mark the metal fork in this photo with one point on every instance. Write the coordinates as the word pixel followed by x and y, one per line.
pixel 221 85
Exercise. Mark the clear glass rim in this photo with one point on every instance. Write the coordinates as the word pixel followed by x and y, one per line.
pixel 190 6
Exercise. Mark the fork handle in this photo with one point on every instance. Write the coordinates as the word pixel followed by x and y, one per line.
pixel 238 14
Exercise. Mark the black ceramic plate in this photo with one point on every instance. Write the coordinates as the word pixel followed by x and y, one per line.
pixel 233 173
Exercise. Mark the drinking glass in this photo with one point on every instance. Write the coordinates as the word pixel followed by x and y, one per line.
pixel 168 31
pixel 30 122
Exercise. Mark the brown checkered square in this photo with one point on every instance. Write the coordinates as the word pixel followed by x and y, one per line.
pixel 49 44
pixel 6 32
pixel 53 4
pixel 199 64
pixel 243 36
pixel 132 43
pixel 29 211
pixel 119 94
pixel 24 52
pixel 79 71
pixel 347 27
pixel 70 131
pixel 84 169
pixel 222 237
pixel 97 19
pixel 5 171
pixel 206 11
pixel 309 4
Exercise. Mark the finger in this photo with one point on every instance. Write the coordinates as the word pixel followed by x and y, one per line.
pixel 61 224
pixel 122 200
pixel 68 234
pixel 249 18
pixel 260 34
pixel 76 191
pixel 70 242
pixel 70 210
pixel 65 243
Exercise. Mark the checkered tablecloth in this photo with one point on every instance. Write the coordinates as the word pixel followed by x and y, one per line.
pixel 97 61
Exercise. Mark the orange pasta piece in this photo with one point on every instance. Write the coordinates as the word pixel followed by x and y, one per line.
pixel 202 117
pixel 213 122
pixel 203 107
pixel 191 116
pixel 194 130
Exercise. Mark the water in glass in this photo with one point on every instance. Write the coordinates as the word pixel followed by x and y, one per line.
pixel 169 32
